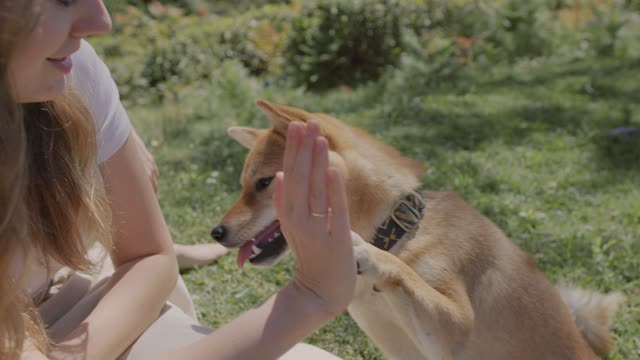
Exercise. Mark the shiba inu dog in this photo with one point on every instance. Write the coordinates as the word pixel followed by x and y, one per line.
pixel 437 279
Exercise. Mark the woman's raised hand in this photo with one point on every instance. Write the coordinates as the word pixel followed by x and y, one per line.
pixel 311 203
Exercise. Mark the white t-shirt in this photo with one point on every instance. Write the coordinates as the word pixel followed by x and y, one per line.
pixel 92 81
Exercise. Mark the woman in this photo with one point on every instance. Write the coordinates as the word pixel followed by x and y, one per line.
pixel 70 178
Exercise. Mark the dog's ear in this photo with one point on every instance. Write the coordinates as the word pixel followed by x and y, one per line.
pixel 281 115
pixel 244 135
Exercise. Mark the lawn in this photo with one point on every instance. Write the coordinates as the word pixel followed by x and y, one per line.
pixel 525 141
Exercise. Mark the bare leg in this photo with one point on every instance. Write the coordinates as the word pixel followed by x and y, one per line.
pixel 190 256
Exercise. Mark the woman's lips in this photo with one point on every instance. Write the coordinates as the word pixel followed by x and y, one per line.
pixel 64 64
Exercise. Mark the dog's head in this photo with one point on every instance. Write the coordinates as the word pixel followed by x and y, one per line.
pixel 251 223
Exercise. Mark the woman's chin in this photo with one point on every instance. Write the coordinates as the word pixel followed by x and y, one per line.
pixel 56 88
pixel 50 91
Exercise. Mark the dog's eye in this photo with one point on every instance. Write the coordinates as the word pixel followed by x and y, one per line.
pixel 263 183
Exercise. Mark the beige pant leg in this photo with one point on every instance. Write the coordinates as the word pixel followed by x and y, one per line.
pixel 180 296
pixel 172 330
pixel 68 307
pixel 75 295
pixel 70 287
pixel 72 302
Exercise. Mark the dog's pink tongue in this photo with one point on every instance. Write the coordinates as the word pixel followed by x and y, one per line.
pixel 244 253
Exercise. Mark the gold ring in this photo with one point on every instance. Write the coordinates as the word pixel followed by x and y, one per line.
pixel 321 214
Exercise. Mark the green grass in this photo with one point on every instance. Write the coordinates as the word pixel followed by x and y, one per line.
pixel 523 143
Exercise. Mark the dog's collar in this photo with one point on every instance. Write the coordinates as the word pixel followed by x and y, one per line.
pixel 405 216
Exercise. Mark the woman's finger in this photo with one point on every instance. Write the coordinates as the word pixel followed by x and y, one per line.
pixel 318 192
pixel 294 134
pixel 302 168
pixel 291 146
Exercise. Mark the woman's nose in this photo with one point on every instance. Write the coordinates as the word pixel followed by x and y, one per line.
pixel 92 18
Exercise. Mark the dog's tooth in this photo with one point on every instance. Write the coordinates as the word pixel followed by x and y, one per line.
pixel 256 250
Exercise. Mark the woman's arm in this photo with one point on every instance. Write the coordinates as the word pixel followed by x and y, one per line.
pixel 148 162
pixel 145 265
pixel 325 266
pixel 264 332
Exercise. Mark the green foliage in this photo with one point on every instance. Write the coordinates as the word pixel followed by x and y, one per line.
pixel 173 50
pixel 219 7
pixel 325 43
pixel 522 28
pixel 513 29
pixel 120 5
pixel 236 7
pixel 343 42
pixel 425 65
pixel 187 6
pixel 255 38
pixel 136 32
pixel 425 15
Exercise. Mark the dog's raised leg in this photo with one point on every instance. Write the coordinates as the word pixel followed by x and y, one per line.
pixel 439 322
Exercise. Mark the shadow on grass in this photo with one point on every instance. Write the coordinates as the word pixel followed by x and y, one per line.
pixel 618 150
pixel 604 77
pixel 511 111
pixel 470 127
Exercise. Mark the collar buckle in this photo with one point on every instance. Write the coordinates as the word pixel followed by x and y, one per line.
pixel 405 215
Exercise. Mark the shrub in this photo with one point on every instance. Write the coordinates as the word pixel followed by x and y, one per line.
pixel 165 50
pixel 188 6
pixel 325 43
pixel 343 42
pixel 257 38
pixel 134 33
pixel 230 7
pixel 196 45
pixel 420 15
pixel 522 28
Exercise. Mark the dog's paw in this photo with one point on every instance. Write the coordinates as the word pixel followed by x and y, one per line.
pixel 370 273
pixel 362 254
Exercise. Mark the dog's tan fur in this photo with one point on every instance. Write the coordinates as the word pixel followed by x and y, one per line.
pixel 455 288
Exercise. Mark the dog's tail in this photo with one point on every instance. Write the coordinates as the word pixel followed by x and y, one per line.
pixel 593 313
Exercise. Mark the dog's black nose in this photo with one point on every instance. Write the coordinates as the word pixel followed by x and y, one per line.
pixel 218 232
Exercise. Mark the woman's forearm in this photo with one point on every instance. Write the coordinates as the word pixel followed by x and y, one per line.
pixel 131 301
pixel 264 332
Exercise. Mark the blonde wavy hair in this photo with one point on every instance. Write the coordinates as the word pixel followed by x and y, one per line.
pixel 51 197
